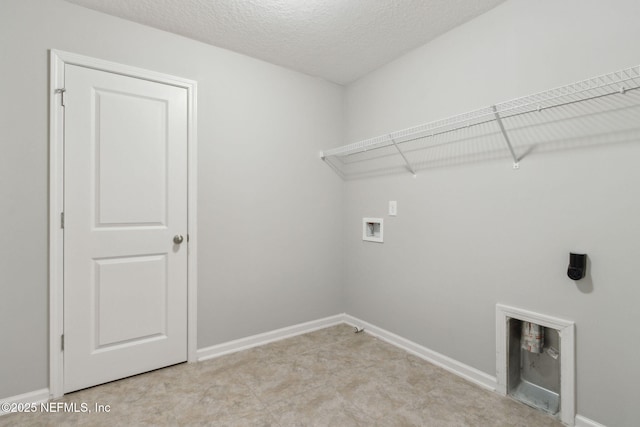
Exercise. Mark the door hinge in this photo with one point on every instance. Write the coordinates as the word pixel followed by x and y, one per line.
pixel 61 92
pixel 62 342
pixel 61 219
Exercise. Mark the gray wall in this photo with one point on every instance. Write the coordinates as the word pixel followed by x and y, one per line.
pixel 263 262
pixel 466 237
pixel 473 234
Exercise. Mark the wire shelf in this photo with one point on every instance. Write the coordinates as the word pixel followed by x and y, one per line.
pixel 595 109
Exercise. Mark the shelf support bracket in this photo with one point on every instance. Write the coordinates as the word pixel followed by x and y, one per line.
pixel 403 156
pixel 516 162
pixel 331 165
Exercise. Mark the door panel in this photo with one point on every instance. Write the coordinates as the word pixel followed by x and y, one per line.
pixel 125 281
pixel 119 321
pixel 132 139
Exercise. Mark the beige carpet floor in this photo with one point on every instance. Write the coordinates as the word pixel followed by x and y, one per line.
pixel 330 377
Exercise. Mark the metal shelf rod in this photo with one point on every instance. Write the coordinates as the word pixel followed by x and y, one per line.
pixel 506 137
pixel 564 104
pixel 430 135
pixel 403 156
pixel 577 92
pixel 463 124
pixel 619 82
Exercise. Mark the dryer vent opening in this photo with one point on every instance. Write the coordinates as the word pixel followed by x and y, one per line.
pixel 534 365
pixel 535 361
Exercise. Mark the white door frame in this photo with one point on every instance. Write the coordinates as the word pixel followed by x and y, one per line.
pixel 58 59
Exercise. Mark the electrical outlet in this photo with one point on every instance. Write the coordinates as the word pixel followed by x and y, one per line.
pixel 393 208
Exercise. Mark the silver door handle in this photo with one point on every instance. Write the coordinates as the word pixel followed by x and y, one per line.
pixel 177 239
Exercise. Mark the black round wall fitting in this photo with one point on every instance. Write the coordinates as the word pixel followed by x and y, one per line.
pixel 577 266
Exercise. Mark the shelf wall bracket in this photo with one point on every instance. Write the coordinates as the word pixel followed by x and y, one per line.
pixel 516 161
pixel 403 156
pixel 331 165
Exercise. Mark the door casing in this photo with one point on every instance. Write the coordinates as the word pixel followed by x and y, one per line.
pixel 58 59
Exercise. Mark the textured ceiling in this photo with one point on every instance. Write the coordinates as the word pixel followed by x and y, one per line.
pixel 338 40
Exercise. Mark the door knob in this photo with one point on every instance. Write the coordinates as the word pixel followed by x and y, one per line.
pixel 177 239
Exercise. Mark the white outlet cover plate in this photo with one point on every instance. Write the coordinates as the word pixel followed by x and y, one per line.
pixel 393 208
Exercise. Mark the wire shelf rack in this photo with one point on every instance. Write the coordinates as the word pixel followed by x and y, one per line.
pixel 591 111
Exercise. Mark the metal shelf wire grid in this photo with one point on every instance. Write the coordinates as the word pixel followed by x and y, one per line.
pixel 515 124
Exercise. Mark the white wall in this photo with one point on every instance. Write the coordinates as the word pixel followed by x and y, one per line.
pixel 468 236
pixel 263 261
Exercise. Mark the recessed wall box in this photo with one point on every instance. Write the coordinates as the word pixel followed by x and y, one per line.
pixel 535 361
pixel 372 229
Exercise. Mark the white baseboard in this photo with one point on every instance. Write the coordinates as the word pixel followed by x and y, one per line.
pixel 267 337
pixel 586 422
pixel 451 365
pixel 465 371
pixel 37 396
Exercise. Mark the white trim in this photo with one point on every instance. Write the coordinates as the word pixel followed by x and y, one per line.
pixel 37 396
pixel 465 371
pixel 268 337
pixel 58 59
pixel 56 235
pixel 586 422
pixel 192 220
pixel 566 330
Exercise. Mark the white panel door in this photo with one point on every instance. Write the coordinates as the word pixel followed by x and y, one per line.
pixel 125 198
